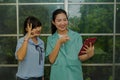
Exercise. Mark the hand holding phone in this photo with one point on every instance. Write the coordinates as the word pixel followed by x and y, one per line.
pixel 87 42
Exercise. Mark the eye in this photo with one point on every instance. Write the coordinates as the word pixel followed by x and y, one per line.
pixel 37 27
pixel 65 19
pixel 58 20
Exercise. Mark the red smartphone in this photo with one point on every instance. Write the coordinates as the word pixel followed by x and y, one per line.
pixel 87 42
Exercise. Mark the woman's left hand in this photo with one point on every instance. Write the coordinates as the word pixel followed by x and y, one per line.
pixel 89 50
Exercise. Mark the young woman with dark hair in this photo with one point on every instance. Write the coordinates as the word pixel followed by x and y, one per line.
pixel 63 47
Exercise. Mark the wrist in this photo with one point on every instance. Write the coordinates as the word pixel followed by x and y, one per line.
pixel 59 42
pixel 88 56
pixel 26 39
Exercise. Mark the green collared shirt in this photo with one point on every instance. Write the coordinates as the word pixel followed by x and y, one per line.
pixel 67 65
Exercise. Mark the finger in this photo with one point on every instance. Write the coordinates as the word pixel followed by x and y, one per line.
pixel 90 44
pixel 35 35
pixel 93 47
pixel 31 25
pixel 67 38
pixel 32 33
pixel 83 51
pixel 28 25
pixel 86 46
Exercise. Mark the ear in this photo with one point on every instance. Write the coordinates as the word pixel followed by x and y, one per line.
pixel 53 22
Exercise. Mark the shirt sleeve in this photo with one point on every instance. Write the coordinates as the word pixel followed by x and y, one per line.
pixel 19 43
pixel 80 42
pixel 48 47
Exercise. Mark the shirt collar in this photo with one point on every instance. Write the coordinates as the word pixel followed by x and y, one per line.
pixel 31 42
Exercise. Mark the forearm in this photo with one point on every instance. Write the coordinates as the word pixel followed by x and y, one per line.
pixel 21 53
pixel 85 57
pixel 53 55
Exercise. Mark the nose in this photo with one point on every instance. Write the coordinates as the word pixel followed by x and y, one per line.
pixel 63 22
pixel 38 28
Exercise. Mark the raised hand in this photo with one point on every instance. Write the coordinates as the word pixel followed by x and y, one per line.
pixel 32 32
pixel 64 39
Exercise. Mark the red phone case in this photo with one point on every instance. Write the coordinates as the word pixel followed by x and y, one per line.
pixel 87 42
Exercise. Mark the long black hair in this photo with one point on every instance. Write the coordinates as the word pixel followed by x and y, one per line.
pixel 31 19
pixel 55 13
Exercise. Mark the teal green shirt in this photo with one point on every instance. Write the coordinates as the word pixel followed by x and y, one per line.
pixel 67 65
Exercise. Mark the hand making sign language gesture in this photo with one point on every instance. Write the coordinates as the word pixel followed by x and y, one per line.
pixel 64 39
pixel 32 32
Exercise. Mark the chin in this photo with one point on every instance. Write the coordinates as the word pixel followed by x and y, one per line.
pixel 63 30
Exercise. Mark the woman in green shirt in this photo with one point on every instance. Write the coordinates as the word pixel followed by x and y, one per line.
pixel 62 49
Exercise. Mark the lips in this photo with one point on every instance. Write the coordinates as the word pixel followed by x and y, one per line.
pixel 62 27
pixel 38 32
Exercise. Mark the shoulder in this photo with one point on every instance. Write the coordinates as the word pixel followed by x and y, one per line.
pixel 75 36
pixel 49 38
pixel 74 33
pixel 40 40
pixel 52 36
pixel 21 39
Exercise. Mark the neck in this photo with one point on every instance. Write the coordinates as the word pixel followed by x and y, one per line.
pixel 63 32
pixel 34 39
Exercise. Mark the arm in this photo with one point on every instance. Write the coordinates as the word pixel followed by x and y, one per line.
pixel 89 53
pixel 21 53
pixel 53 55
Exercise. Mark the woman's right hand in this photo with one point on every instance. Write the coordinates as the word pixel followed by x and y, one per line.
pixel 64 39
pixel 29 31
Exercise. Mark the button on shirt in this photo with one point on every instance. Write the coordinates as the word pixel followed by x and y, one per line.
pixel 32 65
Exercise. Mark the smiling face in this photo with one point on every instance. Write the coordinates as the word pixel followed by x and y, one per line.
pixel 61 23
